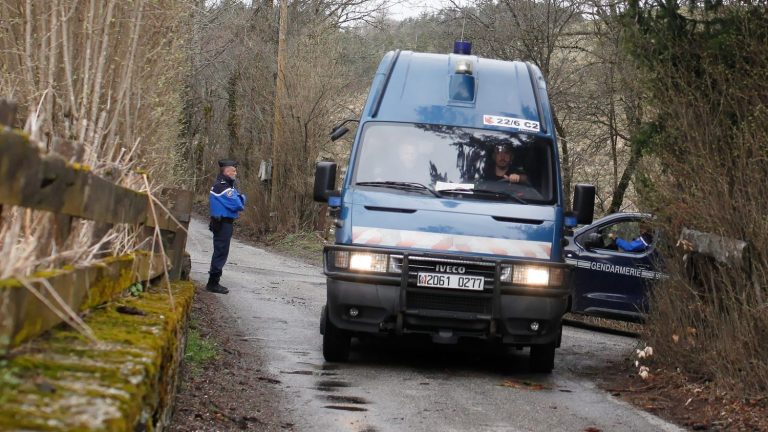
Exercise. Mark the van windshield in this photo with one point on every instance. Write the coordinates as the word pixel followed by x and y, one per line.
pixel 457 161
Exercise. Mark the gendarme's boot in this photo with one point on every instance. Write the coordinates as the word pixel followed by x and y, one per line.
pixel 213 285
pixel 218 289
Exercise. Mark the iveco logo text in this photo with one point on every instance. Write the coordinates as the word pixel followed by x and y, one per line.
pixel 450 268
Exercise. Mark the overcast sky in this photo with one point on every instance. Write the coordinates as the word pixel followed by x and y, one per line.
pixel 412 8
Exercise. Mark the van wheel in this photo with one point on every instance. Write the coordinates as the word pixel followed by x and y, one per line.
pixel 542 358
pixel 336 341
pixel 322 319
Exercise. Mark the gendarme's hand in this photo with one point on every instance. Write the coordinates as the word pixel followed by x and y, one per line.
pixel 612 236
pixel 513 178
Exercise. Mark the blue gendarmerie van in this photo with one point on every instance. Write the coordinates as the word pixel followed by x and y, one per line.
pixel 450 218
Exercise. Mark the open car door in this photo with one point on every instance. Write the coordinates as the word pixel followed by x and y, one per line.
pixel 606 280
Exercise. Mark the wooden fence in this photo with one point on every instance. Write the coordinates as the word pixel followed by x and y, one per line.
pixel 49 183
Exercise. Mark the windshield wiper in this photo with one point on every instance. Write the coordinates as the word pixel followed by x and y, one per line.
pixel 487 192
pixel 400 185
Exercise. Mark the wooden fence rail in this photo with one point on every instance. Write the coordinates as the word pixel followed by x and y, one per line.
pixel 47 182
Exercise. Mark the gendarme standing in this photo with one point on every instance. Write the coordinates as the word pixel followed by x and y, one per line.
pixel 226 203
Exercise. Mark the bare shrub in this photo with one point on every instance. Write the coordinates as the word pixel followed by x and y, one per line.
pixel 103 75
pixel 710 96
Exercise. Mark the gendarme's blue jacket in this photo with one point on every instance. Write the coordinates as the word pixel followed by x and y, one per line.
pixel 224 199
pixel 636 245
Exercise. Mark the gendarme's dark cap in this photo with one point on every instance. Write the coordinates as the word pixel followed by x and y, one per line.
pixel 227 163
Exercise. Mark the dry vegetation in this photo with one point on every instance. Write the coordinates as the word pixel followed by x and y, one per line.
pixel 710 134
pixel 230 104
pixel 97 82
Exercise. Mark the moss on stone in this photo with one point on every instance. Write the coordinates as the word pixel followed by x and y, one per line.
pixel 64 382
pixel 105 280
pixel 105 288
pixel 81 167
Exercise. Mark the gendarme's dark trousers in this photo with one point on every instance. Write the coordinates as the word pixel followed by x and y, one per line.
pixel 222 234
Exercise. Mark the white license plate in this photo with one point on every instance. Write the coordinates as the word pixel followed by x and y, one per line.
pixel 441 280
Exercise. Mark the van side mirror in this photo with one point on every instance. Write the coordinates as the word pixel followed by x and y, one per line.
pixel 338 132
pixel 325 181
pixel 584 203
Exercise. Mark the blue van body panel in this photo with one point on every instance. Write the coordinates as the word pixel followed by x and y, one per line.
pixel 414 95
pixel 387 210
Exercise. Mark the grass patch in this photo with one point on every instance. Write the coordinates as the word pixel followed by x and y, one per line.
pixel 307 245
pixel 199 351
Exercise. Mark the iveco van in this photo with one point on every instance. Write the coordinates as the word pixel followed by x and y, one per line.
pixel 450 220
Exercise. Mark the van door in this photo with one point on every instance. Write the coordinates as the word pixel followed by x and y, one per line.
pixel 608 281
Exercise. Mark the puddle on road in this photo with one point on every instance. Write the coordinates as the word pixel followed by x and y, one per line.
pixel 345 408
pixel 355 400
pixel 307 372
pixel 333 383
pixel 325 366
pixel 330 386
pixel 269 380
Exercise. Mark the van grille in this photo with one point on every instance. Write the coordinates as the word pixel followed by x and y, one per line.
pixel 451 303
pixel 425 264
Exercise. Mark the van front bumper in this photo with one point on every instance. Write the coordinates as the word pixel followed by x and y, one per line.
pixel 442 313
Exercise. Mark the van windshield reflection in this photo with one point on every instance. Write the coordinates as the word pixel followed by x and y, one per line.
pixel 457 162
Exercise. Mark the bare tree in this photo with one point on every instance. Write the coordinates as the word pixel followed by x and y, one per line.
pixel 103 74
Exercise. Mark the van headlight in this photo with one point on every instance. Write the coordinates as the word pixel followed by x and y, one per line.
pixel 532 275
pixel 360 261
pixel 363 261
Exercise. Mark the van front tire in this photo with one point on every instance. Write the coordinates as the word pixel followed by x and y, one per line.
pixel 542 358
pixel 336 342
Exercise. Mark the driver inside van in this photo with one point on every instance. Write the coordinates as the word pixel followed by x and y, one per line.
pixel 504 168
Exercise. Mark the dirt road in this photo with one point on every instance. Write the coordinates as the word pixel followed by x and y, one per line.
pixel 412 384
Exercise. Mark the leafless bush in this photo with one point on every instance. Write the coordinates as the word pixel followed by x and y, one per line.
pixel 103 75
pixel 230 101
pixel 714 152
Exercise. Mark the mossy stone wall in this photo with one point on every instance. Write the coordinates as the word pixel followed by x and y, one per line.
pixel 126 382
pixel 24 316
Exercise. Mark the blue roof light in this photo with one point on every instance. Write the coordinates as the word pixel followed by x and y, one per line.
pixel 462 47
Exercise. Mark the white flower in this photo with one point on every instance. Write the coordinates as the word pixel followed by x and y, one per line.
pixel 644 372
pixel 648 351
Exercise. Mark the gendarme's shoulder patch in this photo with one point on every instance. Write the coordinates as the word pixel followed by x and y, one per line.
pixel 230 193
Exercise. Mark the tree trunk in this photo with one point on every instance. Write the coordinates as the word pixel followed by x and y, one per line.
pixel 233 123
pixel 565 162
pixel 278 136
pixel 626 176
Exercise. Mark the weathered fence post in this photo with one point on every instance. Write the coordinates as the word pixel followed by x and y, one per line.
pixel 46 182
pixel 179 203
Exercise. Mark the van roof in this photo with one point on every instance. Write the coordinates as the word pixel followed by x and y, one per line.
pixel 418 91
